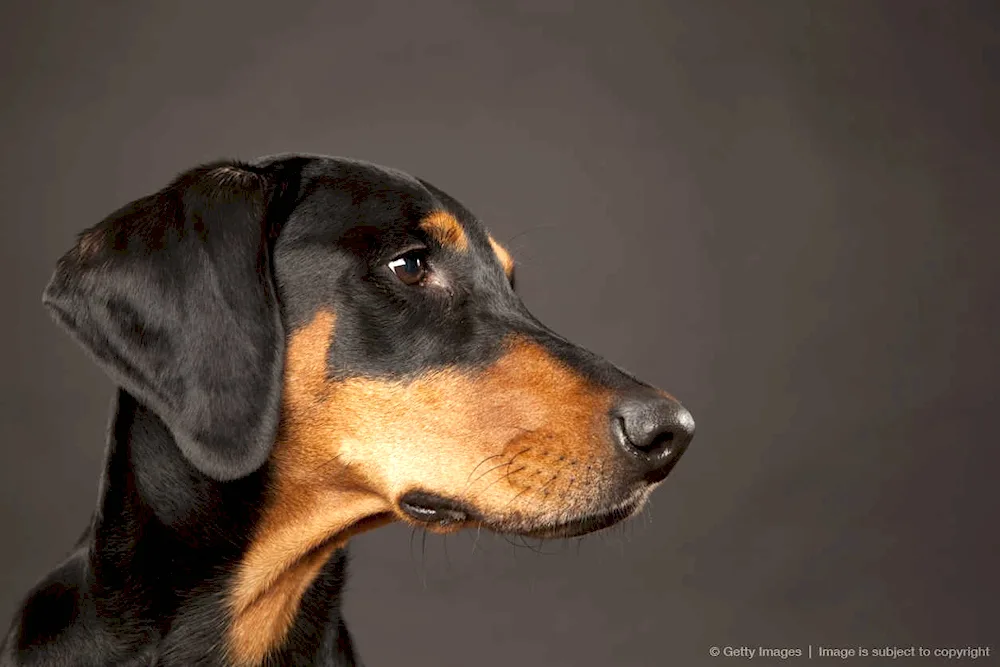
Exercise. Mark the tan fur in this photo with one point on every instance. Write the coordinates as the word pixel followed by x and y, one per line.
pixel 523 441
pixel 506 261
pixel 446 230
pixel 265 619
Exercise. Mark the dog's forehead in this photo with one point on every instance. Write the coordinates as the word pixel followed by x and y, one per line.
pixel 360 193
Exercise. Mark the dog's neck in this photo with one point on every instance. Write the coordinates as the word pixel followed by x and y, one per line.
pixel 165 554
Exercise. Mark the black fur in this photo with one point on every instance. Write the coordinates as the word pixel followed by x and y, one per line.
pixel 184 297
pixel 173 296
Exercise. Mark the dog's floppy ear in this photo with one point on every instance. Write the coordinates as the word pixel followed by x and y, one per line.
pixel 173 296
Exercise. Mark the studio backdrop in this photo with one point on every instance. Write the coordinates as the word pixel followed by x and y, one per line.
pixel 784 213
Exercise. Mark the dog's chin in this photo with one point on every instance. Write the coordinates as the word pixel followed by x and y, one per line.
pixel 443 515
pixel 587 523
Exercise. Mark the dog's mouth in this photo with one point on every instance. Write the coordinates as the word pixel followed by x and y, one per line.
pixel 586 524
pixel 434 510
pixel 442 513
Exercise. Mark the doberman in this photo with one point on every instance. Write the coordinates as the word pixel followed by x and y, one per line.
pixel 307 347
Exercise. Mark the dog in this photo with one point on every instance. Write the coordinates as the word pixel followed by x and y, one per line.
pixel 304 348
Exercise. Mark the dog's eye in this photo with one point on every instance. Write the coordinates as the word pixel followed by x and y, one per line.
pixel 411 268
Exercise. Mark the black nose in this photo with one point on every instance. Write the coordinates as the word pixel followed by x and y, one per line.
pixel 654 429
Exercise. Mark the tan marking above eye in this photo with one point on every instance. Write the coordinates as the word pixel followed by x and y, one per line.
pixel 445 229
pixel 506 261
pixel 524 440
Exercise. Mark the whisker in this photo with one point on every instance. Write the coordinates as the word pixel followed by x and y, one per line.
pixel 518 495
pixel 508 541
pixel 479 531
pixel 504 477
pixel 495 456
pixel 447 558
pixel 423 556
pixel 496 467
pixel 532 489
pixel 531 230
pixel 322 465
pixel 524 543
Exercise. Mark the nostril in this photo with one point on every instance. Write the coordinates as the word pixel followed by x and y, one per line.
pixel 651 444
pixel 660 445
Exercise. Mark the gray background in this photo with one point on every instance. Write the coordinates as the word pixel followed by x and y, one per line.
pixel 782 212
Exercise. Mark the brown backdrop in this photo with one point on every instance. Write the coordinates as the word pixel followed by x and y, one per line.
pixel 783 212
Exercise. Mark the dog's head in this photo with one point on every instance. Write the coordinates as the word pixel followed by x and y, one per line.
pixel 355 331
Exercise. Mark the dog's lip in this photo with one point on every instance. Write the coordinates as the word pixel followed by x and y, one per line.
pixel 584 525
pixel 430 508
pixel 434 510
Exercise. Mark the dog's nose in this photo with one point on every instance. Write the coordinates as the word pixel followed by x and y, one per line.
pixel 654 429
